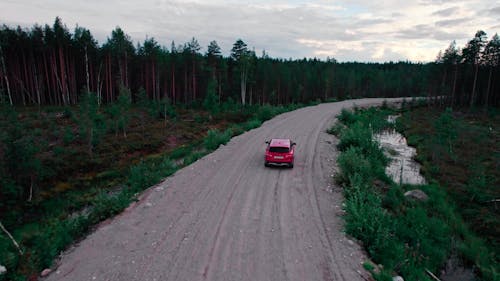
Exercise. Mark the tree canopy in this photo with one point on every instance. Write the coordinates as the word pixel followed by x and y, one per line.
pixel 50 65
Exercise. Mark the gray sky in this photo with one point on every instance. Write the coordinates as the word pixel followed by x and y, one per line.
pixel 359 30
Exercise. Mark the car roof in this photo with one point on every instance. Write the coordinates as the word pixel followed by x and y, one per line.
pixel 280 142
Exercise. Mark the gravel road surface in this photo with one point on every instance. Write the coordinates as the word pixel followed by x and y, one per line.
pixel 227 217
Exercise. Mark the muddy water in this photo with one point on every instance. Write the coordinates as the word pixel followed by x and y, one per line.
pixel 402 168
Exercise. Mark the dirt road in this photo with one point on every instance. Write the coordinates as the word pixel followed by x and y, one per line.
pixel 227 217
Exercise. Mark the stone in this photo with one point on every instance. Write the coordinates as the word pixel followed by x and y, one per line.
pixel 416 194
pixel 2 269
pixel 397 278
pixel 45 272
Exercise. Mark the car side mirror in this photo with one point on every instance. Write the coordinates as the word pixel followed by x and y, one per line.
pixel 267 142
pixel 293 143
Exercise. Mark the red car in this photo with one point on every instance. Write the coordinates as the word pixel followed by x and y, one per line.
pixel 280 152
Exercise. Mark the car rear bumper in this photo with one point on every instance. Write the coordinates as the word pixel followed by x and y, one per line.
pixel 279 163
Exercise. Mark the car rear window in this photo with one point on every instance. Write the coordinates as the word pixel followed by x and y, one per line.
pixel 279 149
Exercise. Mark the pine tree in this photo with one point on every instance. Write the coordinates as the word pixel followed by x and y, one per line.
pixel 471 54
pixel 242 56
pixel 492 60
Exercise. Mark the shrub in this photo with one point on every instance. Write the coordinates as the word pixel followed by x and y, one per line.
pixel 141 176
pixel 210 102
pixel 446 129
pixel 356 135
pixel 265 112
pixel 180 152
pixel 355 161
pixel 252 124
pixel 215 138
pixel 68 136
pixel 336 129
pixel 403 236
pixel 193 157
pixel 347 117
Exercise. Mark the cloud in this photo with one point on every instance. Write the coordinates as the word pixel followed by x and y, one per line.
pixel 453 22
pixel 431 2
pixel 347 30
pixel 494 11
pixel 446 12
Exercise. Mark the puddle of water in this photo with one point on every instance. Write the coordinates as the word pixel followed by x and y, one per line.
pixel 402 168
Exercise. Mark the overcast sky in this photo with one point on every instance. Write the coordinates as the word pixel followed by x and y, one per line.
pixel 359 30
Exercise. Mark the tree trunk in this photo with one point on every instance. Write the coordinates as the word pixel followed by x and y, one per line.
pixel 64 86
pixel 20 78
pixel 6 78
pixel 185 86
pixel 126 71
pixel 99 86
pixel 473 96
pixel 251 94
pixel 87 69
pixel 37 86
pixel 489 87
pixel 194 80
pixel 72 79
pixel 173 84
pixel 11 238
pixel 243 86
pixel 443 84
pixel 48 87
pixel 220 89
pixel 120 70
pixel 454 85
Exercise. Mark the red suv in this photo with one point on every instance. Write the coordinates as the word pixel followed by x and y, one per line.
pixel 280 152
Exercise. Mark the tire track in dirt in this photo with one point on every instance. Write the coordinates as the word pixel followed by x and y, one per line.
pixel 227 217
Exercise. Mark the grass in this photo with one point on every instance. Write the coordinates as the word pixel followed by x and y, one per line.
pixel 77 188
pixel 404 236
pixel 462 155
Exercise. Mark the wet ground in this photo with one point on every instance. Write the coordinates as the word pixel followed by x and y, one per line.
pixel 403 169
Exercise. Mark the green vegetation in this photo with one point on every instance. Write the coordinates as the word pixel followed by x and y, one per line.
pixel 65 169
pixel 460 153
pixel 81 156
pixel 72 60
pixel 216 138
pixel 405 236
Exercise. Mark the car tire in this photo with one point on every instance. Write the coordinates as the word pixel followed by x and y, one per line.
pixel 266 164
pixel 291 165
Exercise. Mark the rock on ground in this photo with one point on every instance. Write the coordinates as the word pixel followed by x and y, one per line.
pixel 416 194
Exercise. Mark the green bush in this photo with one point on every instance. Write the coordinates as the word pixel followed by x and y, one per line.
pixel 106 205
pixel 403 236
pixel 215 138
pixel 230 106
pixel 142 176
pixel 356 136
pixel 336 129
pixel 355 161
pixel 210 103
pixel 180 152
pixel 446 130
pixel 252 124
pixel 347 117
pixel 265 112
pixel 69 136
pixel 193 157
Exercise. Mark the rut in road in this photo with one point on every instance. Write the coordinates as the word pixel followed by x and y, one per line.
pixel 227 217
